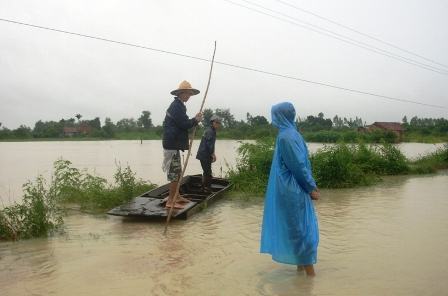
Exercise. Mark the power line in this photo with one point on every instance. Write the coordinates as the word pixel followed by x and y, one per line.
pixel 361 33
pixel 224 64
pixel 337 36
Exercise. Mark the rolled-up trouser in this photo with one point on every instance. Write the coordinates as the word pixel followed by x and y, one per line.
pixel 175 168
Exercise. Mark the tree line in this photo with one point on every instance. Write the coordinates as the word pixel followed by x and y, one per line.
pixel 315 128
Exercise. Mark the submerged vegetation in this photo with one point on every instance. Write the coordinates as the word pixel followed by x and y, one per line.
pixel 41 211
pixel 345 165
pixel 91 192
pixel 431 163
pixel 334 166
pixel 37 215
pixel 253 165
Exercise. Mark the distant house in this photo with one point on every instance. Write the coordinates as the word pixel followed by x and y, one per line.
pixel 82 129
pixel 70 131
pixel 394 127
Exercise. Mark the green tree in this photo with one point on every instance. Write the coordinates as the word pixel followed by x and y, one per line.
pixel 108 128
pixel 405 120
pixel 48 129
pixel 95 123
pixel 338 122
pixel 22 132
pixel 256 121
pixel 145 120
pixel 127 125
pixel 312 123
pixel 207 115
pixel 78 116
pixel 228 121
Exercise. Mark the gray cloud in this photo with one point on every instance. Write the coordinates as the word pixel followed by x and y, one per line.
pixel 47 75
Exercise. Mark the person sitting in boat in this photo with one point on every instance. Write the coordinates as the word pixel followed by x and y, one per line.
pixel 175 138
pixel 206 152
pixel 289 231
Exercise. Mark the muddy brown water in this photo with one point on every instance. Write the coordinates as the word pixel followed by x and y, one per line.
pixel 23 161
pixel 387 239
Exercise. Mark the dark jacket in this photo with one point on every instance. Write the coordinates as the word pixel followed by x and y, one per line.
pixel 176 126
pixel 207 146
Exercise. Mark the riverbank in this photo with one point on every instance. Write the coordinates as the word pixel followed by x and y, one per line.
pixel 324 136
pixel 335 166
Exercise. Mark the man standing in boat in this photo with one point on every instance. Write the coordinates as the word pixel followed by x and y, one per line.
pixel 206 152
pixel 175 138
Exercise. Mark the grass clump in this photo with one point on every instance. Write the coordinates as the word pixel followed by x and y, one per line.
pixel 431 163
pixel 92 192
pixel 253 166
pixel 40 212
pixel 38 215
pixel 343 165
pixel 335 166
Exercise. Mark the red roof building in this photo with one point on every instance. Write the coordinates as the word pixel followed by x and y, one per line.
pixel 394 127
pixel 82 129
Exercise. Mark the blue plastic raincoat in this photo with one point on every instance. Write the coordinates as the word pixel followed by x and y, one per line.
pixel 290 232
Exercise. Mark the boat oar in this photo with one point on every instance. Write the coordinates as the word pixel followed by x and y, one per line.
pixel 168 218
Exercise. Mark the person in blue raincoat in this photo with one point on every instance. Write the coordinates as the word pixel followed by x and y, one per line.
pixel 290 232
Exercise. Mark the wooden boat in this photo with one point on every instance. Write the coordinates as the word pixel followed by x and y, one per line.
pixel 151 204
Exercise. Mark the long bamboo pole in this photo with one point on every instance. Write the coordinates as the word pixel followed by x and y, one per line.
pixel 168 218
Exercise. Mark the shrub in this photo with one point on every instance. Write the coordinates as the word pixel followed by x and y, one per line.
pixel 253 166
pixel 337 166
pixel 37 215
pixel 432 162
pixel 93 192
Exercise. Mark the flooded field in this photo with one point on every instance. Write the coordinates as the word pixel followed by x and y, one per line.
pixel 387 239
pixel 22 161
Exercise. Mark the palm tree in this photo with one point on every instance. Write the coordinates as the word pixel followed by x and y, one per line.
pixel 78 116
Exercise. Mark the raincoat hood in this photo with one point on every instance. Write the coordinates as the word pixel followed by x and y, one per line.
pixel 283 115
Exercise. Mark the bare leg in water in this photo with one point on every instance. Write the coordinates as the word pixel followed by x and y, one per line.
pixel 309 269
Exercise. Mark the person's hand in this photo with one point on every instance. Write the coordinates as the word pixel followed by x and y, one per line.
pixel 213 157
pixel 198 117
pixel 315 194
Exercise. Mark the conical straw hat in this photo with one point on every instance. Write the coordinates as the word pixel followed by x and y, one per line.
pixel 185 86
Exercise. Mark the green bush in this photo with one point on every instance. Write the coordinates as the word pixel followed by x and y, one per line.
pixel 323 136
pixel 336 166
pixel 253 166
pixel 393 160
pixel 343 165
pixel 432 162
pixel 93 192
pixel 37 215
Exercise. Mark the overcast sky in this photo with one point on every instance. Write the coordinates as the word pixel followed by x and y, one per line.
pixel 48 75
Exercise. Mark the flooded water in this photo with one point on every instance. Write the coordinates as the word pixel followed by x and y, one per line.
pixel 387 239
pixel 23 161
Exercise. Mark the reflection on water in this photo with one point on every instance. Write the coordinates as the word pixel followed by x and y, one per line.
pixel 388 239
